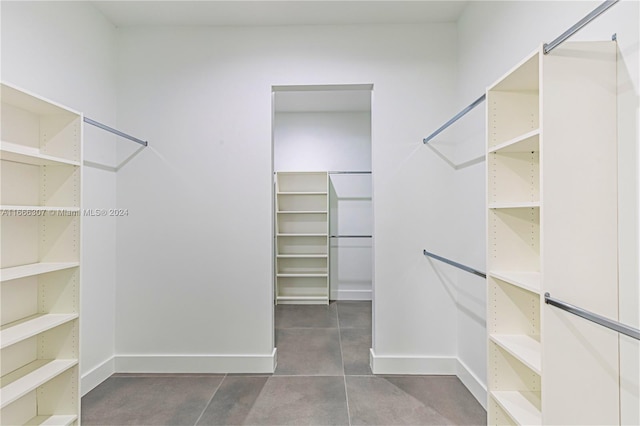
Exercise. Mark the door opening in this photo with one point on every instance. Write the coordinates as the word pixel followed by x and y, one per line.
pixel 323 215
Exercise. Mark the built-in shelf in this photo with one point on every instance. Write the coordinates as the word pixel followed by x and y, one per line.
pixel 16 272
pixel 33 103
pixel 28 155
pixel 527 280
pixel 310 275
pixel 28 378
pixel 524 348
pixel 551 151
pixel 56 420
pixel 522 407
pixel 523 77
pixel 527 142
pixel 515 205
pixel 302 235
pixel 302 212
pixel 304 193
pixel 22 330
pixel 41 205
pixel 302 256
pixel 302 243
pixel 323 298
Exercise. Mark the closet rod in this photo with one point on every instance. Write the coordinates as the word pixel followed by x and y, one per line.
pixel 598 319
pixel 350 173
pixel 455 118
pixel 350 236
pixel 114 131
pixel 546 48
pixel 456 264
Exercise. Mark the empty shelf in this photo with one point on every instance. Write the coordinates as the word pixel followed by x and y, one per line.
pixel 24 154
pixel 12 334
pixel 28 378
pixel 302 212
pixel 519 406
pixel 302 235
pixel 15 272
pixel 527 280
pixel 301 274
pixel 303 297
pixel 515 205
pixel 302 256
pixel 528 142
pixel 304 193
pixel 524 348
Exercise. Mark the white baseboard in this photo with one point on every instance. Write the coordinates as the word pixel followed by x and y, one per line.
pixel 400 364
pixel 449 366
pixel 351 295
pixel 97 375
pixel 267 364
pixel 471 381
pixel 242 363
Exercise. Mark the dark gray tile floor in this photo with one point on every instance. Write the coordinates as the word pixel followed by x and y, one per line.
pixel 323 378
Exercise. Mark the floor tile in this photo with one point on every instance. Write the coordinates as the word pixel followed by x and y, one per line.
pixel 356 343
pixel 354 314
pixel 377 401
pixel 162 400
pixel 315 316
pixel 446 394
pixel 308 351
pixel 301 401
pixel 233 401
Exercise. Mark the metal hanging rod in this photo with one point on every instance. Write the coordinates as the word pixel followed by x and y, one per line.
pixel 455 118
pixel 598 319
pixel 114 131
pixel 350 236
pixel 456 264
pixel 546 48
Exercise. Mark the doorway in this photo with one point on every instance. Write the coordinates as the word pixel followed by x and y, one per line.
pixel 323 228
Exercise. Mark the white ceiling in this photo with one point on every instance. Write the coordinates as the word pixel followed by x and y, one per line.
pixel 266 12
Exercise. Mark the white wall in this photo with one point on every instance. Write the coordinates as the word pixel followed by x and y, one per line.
pixel 322 141
pixel 493 37
pixel 195 253
pixel 65 51
pixel 335 141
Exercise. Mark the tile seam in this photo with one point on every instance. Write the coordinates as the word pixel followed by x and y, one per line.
pixel 210 400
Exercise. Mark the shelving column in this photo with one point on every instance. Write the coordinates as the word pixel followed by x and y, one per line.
pixel 40 201
pixel 513 252
pixel 302 238
pixel 552 227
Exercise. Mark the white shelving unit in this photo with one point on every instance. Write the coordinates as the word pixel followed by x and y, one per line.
pixel 302 238
pixel 552 227
pixel 40 200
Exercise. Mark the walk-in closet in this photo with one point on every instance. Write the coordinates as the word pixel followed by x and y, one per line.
pixel 319 212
